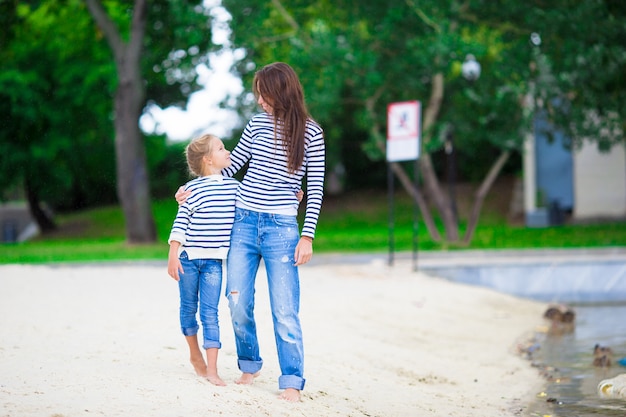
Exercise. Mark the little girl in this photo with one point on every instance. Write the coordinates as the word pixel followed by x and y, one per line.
pixel 199 242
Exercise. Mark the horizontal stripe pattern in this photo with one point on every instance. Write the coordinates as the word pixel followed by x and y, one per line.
pixel 203 223
pixel 267 186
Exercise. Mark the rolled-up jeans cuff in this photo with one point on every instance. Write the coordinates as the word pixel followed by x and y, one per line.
pixel 249 367
pixel 190 331
pixel 291 381
pixel 210 344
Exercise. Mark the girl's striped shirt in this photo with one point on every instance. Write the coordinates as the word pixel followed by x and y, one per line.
pixel 204 221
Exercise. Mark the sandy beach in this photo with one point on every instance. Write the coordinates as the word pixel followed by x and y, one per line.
pixel 380 341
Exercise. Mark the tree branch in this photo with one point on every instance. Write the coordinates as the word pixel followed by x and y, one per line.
pixel 137 30
pixel 482 193
pixel 420 13
pixel 426 166
pixel 108 27
pixel 290 20
pixel 434 103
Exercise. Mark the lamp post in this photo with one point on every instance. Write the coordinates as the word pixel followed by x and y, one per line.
pixel 470 70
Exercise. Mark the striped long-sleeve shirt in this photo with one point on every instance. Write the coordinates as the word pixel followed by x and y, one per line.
pixel 267 185
pixel 204 221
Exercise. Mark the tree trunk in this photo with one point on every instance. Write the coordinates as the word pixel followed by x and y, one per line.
pixel 482 192
pixel 132 175
pixel 133 187
pixel 444 206
pixel 417 197
pixel 399 171
pixel 42 218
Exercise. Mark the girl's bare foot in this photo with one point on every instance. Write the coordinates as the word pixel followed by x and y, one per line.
pixel 199 365
pixel 216 380
pixel 247 379
pixel 290 394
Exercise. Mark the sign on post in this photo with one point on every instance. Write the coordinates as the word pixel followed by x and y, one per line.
pixel 403 131
pixel 403 144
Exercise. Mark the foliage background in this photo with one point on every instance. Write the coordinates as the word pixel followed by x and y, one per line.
pixel 57 81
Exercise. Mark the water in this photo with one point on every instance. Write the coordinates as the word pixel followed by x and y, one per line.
pixel 591 281
pixel 594 283
pixel 566 363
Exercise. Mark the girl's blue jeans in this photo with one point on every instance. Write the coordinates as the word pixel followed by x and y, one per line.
pixel 200 285
pixel 274 238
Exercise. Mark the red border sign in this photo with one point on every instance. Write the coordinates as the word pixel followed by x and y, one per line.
pixel 403 130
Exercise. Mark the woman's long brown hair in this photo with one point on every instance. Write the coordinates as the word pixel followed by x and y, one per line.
pixel 280 87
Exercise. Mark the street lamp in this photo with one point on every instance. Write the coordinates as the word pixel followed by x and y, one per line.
pixel 470 69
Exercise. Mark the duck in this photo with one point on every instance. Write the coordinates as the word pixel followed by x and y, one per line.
pixel 561 319
pixel 602 356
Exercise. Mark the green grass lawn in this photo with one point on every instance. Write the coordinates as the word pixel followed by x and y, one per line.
pixel 357 222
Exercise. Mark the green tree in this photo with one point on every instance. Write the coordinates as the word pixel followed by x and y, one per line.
pixel 580 69
pixel 55 131
pixel 58 81
pixel 359 58
pixel 133 187
pixel 129 27
pixel 355 58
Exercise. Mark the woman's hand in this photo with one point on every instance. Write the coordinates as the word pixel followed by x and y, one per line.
pixel 304 251
pixel 300 195
pixel 181 195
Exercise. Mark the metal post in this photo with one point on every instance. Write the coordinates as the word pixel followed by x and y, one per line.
pixel 415 218
pixel 391 212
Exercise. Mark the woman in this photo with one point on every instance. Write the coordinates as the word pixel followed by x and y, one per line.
pixel 280 145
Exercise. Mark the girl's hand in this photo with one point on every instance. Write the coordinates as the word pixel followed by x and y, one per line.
pixel 173 262
pixel 300 195
pixel 174 268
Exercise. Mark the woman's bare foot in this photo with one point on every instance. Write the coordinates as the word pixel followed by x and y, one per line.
pixel 216 380
pixel 247 379
pixel 199 365
pixel 290 394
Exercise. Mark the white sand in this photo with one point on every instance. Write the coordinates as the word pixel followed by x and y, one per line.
pixel 104 340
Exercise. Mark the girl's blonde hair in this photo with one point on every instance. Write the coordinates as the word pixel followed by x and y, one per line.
pixel 195 152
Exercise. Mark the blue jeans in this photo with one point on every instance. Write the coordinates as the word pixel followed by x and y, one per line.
pixel 274 238
pixel 201 283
